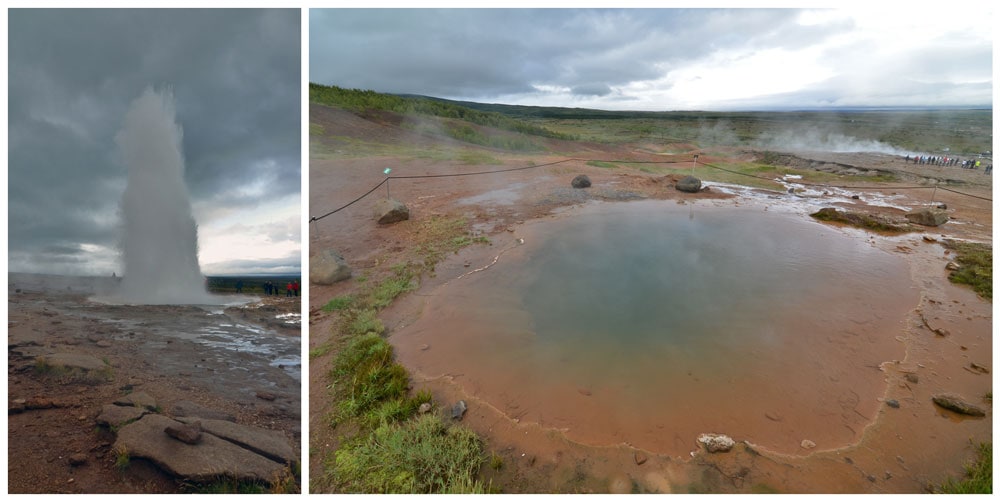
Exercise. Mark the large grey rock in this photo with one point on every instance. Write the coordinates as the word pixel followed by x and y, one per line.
pixel 928 217
pixel 328 267
pixel 268 443
pixel 689 184
pixel 184 408
pixel 581 182
pixel 958 404
pixel 389 211
pixel 715 442
pixel 210 459
pixel 113 416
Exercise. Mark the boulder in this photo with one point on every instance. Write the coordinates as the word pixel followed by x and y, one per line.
pixel 689 184
pixel 958 404
pixel 581 182
pixel 209 460
pixel 328 267
pixel 715 442
pixel 927 217
pixel 388 211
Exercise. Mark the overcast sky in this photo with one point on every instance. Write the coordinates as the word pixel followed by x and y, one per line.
pixel 920 54
pixel 235 76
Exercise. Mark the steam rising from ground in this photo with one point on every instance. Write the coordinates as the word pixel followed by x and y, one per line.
pixel 160 242
pixel 823 141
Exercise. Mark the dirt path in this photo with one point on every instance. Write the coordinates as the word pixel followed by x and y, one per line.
pixel 54 444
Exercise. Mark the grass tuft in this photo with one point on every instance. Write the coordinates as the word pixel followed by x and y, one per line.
pixel 419 456
pixel 978 475
pixel 975 266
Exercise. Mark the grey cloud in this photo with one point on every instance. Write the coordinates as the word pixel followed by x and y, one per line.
pixel 73 73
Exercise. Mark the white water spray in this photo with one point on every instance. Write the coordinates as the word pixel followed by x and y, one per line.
pixel 160 242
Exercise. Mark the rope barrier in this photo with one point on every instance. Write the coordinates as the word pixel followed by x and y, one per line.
pixel 533 166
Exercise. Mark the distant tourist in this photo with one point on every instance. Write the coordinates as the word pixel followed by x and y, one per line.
pixel 239 286
pixel 296 287
pixel 288 289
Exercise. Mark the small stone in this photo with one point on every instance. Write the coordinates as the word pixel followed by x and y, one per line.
pixel 855 197
pixel 424 347
pixel 640 458
pixel 892 403
pixel 957 404
pixel 808 444
pixel 424 408
pixel 715 442
pixel 77 459
pixel 951 266
pixel 871 478
pixel 458 410
pixel 929 239
pixel 266 395
pixel 912 378
pixel 772 416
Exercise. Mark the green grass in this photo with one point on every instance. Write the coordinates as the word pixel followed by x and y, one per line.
pixel 370 390
pixel 339 303
pixel 419 456
pixel 602 164
pixel 978 474
pixel 975 261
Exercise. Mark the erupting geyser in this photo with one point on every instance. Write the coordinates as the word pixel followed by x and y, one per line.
pixel 160 242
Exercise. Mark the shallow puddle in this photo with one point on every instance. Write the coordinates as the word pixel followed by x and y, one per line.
pixel 649 323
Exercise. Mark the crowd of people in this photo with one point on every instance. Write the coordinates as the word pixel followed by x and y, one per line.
pixel 291 289
pixel 951 161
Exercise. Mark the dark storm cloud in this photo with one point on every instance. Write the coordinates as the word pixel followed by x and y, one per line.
pixel 235 76
pixel 490 52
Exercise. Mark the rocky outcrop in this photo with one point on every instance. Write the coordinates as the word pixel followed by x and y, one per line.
pixel 927 217
pixel 115 416
pixel 581 182
pixel 715 442
pixel 689 184
pixel 268 443
pixel 209 459
pixel 958 404
pixel 139 399
pixel 328 267
pixel 388 211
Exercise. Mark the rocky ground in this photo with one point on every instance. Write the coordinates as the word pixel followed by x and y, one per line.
pixel 94 388
pixel 909 445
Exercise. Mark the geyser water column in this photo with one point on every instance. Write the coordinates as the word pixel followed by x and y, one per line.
pixel 159 245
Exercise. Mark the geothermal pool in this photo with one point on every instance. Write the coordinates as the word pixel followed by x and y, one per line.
pixel 649 323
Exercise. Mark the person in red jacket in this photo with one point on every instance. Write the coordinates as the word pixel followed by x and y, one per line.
pixel 295 286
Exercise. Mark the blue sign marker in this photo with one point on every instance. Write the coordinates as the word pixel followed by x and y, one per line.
pixel 387 170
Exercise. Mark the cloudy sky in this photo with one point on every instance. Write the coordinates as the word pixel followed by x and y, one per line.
pixel 901 54
pixel 235 77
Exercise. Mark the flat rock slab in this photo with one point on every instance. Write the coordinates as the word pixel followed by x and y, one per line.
pixel 114 416
pixel 184 408
pixel 269 443
pixel 138 399
pixel 208 460
pixel 75 361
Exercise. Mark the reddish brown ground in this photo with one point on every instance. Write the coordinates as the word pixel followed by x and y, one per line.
pixel 61 408
pixel 901 450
